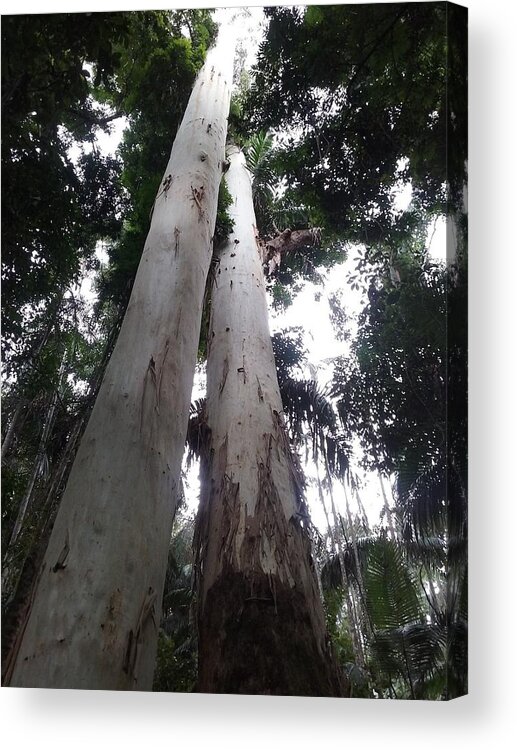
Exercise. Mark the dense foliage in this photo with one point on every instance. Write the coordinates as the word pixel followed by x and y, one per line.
pixel 365 96
pixel 402 393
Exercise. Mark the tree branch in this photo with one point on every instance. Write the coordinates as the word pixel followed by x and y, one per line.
pixel 376 44
pixel 94 119
pixel 287 242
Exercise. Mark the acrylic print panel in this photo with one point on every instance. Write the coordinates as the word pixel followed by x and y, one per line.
pixel 234 330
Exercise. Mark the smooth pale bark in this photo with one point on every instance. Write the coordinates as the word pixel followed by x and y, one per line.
pixel 260 617
pixel 94 615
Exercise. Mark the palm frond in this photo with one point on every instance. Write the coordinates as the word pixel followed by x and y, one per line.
pixel 259 153
pixel 412 652
pixel 289 351
pixel 311 418
pixel 391 592
pixel 306 405
pixel 197 439
pixel 430 550
pixel 336 456
pixel 288 215
pixel 421 495
pixel 258 156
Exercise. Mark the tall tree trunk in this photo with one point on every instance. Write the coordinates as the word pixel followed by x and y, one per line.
pixel 16 598
pixel 12 427
pixel 93 619
pixel 260 617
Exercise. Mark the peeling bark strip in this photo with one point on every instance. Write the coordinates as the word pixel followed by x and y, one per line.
pixel 225 375
pixel 274 249
pixel 120 497
pixel 197 196
pixel 63 555
pixel 260 618
pixel 293 463
pixel 167 182
pixel 259 391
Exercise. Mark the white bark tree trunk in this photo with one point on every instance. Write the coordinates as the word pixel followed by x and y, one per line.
pixel 260 617
pixel 94 616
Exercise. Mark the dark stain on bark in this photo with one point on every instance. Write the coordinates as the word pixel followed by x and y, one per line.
pixel 226 368
pixel 261 644
pixel 137 636
pixel 258 633
pixel 60 563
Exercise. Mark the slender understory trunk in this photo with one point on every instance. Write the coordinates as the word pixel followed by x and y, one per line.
pixel 387 509
pixel 260 617
pixel 12 428
pixel 39 460
pixel 367 626
pixel 337 547
pixel 30 358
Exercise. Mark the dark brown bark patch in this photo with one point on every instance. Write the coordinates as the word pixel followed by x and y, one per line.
pixel 259 633
pixel 256 638
pixel 288 241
